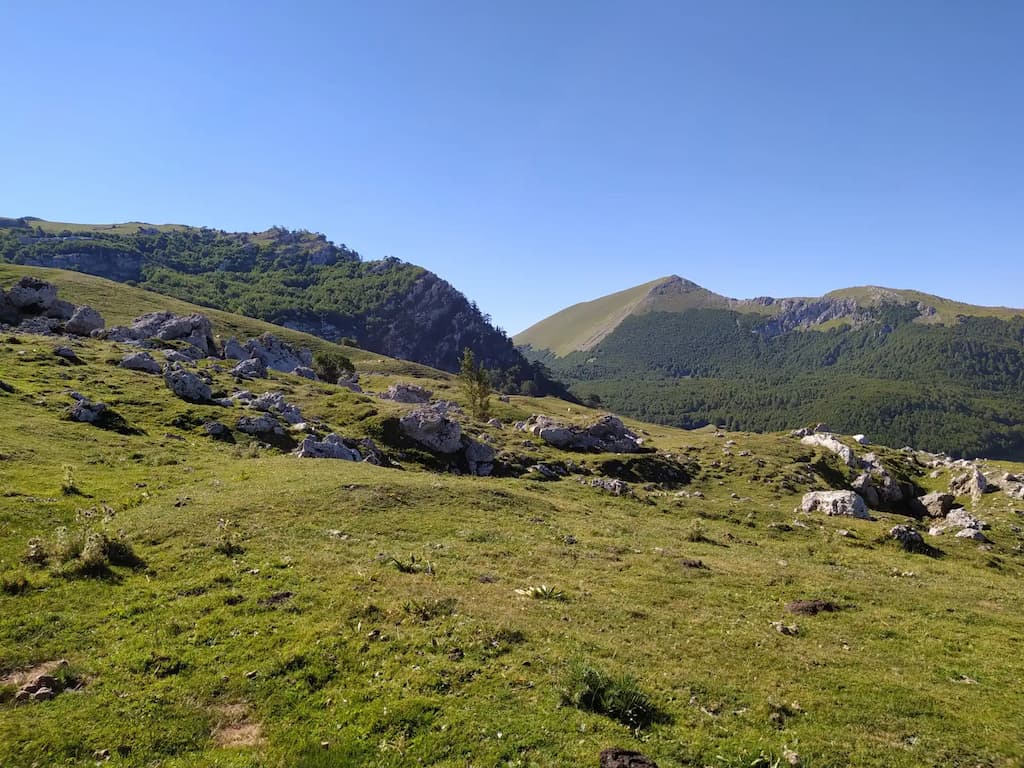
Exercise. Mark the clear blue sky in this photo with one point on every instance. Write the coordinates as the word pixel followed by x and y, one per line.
pixel 539 153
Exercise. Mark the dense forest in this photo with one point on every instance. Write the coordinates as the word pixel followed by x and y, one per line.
pixel 957 388
pixel 294 278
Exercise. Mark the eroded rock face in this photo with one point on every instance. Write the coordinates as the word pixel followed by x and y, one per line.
pixel 836 503
pixel 84 321
pixel 431 428
pixel 973 483
pixel 186 384
pixel 140 361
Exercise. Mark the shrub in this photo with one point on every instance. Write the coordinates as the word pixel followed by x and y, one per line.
pixel 331 366
pixel 620 698
pixel 14 583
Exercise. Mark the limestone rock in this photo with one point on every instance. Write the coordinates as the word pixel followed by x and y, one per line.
pixel 84 321
pixel 431 428
pixel 607 435
pixel 32 296
pixel 253 368
pixel 60 310
pixel 68 354
pixel 331 447
pixel 275 402
pixel 264 424
pixel 836 503
pixel 479 458
pixel 193 329
pixel 973 483
pixel 937 503
pixel 829 442
pixel 86 411
pixel 235 351
pixel 140 361
pixel 187 385
pixel 908 538
pixel 306 372
pixel 407 393
pixel 612 485
pixel 973 534
pixel 277 354
pixel 216 430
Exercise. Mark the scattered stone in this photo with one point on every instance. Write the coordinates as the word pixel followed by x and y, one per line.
pixel 407 393
pixel 274 402
pixel 973 534
pixel 790 630
pixel 350 383
pixel 958 519
pixel 264 424
pixel 253 368
pixel 836 503
pixel 331 447
pixel 174 356
pixel 306 372
pixel 140 361
pixel 495 423
pixel 615 757
pixel 216 430
pixel 607 435
pixel 84 320
pixel 187 385
pixel 614 486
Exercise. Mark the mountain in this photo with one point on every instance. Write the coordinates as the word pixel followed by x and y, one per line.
pixel 904 366
pixel 177 595
pixel 296 279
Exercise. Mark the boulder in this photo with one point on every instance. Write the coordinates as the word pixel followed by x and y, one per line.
pixel 261 425
pixel 84 321
pixel 607 435
pixel 253 368
pixel 194 329
pixel 407 393
pixel 937 503
pixel 216 430
pixel 614 757
pixel 350 383
pixel 306 372
pixel 331 447
pixel 86 411
pixel 140 361
pixel 278 354
pixel 829 442
pixel 612 485
pixel 186 384
pixel 865 486
pixel 836 503
pixel 973 534
pixel 479 458
pixel 860 439
pixel 32 296
pixel 67 353
pixel 235 351
pixel 174 356
pixel 431 428
pixel 60 310
pixel 972 483
pixel 8 312
pixel 909 538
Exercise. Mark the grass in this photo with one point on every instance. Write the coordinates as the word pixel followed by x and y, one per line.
pixel 304 632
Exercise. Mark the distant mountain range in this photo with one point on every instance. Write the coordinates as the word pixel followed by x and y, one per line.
pixel 297 279
pixel 900 365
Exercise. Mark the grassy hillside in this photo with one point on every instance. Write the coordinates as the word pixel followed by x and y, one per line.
pixel 276 611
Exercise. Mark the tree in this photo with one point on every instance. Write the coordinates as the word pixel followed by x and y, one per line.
pixel 331 366
pixel 475 384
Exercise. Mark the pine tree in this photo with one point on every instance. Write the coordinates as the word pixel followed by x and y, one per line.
pixel 475 384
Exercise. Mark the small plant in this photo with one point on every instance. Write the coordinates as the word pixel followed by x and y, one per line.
pixel 475 383
pixel 543 592
pixel 35 552
pixel 430 609
pixel 412 565
pixel 67 484
pixel 696 533
pixel 225 543
pixel 14 583
pixel 620 698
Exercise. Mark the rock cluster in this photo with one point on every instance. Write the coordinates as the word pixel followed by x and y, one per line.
pixel 836 503
pixel 407 393
pixel 432 428
pixel 186 385
pixel 829 442
pixel 273 352
pixel 333 446
pixel 42 686
pixel 194 330
pixel 32 305
pixel 607 435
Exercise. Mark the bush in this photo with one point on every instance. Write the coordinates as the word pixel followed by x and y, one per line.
pixel 331 366
pixel 620 698
pixel 14 583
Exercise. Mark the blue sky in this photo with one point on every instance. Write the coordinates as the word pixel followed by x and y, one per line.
pixel 539 153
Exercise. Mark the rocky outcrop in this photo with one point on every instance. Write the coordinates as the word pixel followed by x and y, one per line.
pixel 973 483
pixel 829 442
pixel 836 503
pixel 937 503
pixel 32 296
pixel 407 393
pixel 275 402
pixel 140 361
pixel 186 385
pixel 195 330
pixel 607 435
pixel 253 368
pixel 958 520
pixel 331 447
pixel 263 425
pixel 277 354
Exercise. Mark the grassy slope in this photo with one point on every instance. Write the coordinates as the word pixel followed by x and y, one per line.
pixel 123 228
pixel 581 326
pixel 946 309
pixel 191 643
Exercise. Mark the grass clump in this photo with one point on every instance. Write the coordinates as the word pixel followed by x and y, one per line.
pixel 14 583
pixel 412 565
pixel 82 551
pixel 543 592
pixel 427 610
pixel 620 698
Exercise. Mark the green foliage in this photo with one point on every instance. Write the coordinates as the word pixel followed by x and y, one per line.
pixel 331 366
pixel 412 565
pixel 475 385
pixel 620 698
pixel 14 583
pixel 543 592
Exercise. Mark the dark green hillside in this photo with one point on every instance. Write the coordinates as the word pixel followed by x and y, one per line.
pixel 296 279
pixel 958 388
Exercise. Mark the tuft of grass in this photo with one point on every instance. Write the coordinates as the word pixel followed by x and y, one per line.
pixel 589 688
pixel 68 487
pixel 543 592
pixel 14 583
pixel 412 565
pixel 427 610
